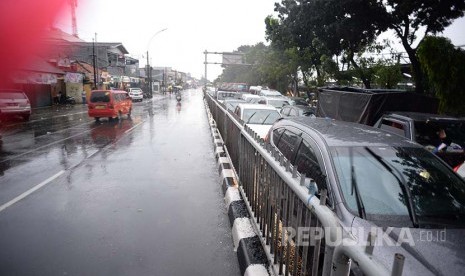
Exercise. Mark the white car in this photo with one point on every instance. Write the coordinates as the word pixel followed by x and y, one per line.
pixel 258 117
pixel 14 103
pixel 136 94
pixel 278 103
pixel 250 98
pixel 223 95
pixel 270 93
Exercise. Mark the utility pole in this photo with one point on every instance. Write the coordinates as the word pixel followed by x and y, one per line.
pixel 206 62
pixel 149 71
pixel 163 80
pixel 149 85
pixel 96 60
pixel 93 63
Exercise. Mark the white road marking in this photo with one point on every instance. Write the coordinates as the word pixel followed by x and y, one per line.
pixel 50 179
pixel 132 128
pixel 30 191
pixel 44 146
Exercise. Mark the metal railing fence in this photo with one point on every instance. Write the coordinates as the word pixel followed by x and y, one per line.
pixel 279 200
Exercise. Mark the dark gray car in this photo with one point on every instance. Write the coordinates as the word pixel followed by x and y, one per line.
pixel 298 110
pixel 380 181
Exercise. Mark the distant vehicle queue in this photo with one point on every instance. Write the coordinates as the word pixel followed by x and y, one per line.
pixel 404 173
pixel 450 149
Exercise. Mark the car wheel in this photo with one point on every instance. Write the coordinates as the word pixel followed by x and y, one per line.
pixel 120 116
pixel 26 117
pixel 129 112
pixel 97 119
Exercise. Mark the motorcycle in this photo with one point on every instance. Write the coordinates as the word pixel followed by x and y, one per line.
pixel 70 100
pixel 65 100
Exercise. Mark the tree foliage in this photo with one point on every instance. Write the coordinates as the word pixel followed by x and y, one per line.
pixel 346 28
pixel 269 67
pixel 444 66
pixel 408 17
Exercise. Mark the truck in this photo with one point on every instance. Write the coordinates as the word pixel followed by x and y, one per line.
pixel 401 113
pixel 366 106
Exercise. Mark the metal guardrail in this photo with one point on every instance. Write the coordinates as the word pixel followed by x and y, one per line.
pixel 280 199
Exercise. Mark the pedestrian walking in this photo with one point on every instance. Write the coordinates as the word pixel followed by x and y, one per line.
pixel 83 95
pixel 58 98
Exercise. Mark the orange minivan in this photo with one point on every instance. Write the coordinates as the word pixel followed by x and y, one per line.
pixel 109 103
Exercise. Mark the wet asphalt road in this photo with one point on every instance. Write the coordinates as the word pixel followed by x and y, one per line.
pixel 140 197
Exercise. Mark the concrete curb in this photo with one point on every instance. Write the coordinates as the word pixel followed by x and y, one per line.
pixel 250 253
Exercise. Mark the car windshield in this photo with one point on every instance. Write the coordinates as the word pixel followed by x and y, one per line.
pixel 260 116
pixel 100 96
pixel 438 194
pixel 278 103
pixel 223 95
pixel 269 93
pixel 231 105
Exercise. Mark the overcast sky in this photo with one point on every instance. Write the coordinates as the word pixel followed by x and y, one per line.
pixel 192 28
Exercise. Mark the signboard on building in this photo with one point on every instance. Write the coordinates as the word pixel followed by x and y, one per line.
pixel 33 77
pixel 73 77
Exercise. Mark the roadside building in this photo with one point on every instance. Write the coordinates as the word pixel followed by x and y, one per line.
pixel 40 80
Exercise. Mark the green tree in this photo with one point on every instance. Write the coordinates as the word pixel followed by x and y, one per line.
pixel 268 67
pixel 347 27
pixel 287 33
pixel 444 67
pixel 408 18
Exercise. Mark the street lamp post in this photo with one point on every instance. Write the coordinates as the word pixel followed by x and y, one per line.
pixel 149 71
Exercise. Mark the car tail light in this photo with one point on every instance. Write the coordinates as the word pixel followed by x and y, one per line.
pixel 457 168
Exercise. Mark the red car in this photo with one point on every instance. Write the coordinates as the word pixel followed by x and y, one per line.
pixel 109 103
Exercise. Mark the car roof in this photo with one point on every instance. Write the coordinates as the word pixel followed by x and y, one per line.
pixel 234 101
pixel 340 133
pixel 275 98
pixel 303 107
pixel 270 92
pixel 256 106
pixel 418 116
pixel 224 91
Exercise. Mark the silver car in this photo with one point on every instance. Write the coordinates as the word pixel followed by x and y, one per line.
pixel 382 183
pixel 136 94
pixel 14 103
